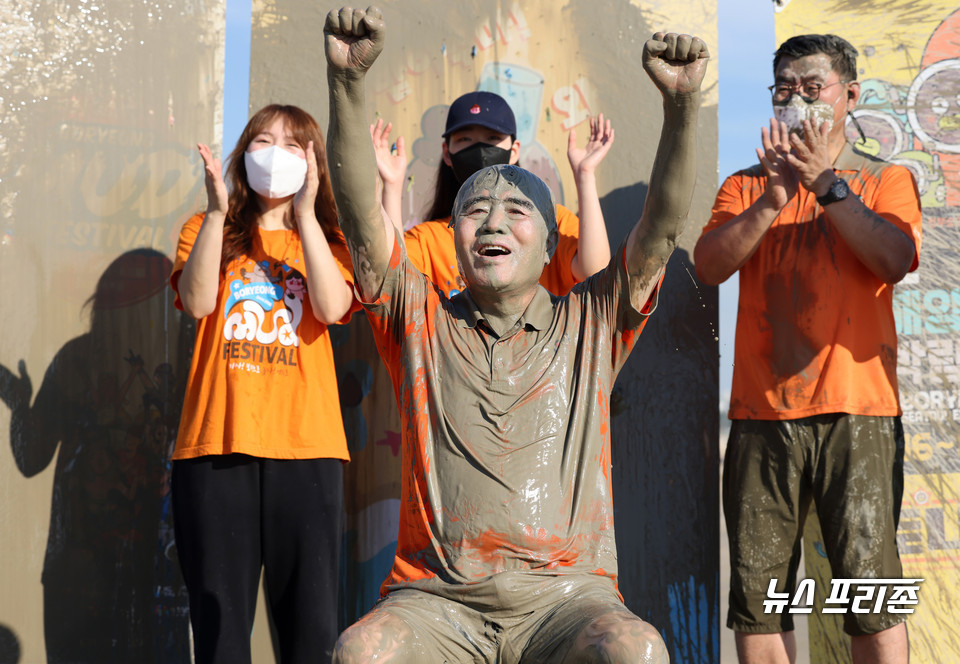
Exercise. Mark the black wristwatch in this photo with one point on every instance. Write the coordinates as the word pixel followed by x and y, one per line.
pixel 837 192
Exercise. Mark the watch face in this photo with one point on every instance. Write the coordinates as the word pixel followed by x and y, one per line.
pixel 839 190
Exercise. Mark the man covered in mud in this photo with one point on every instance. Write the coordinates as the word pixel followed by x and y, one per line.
pixel 506 548
pixel 819 233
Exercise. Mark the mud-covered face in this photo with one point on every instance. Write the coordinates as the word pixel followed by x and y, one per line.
pixel 504 230
pixel 834 99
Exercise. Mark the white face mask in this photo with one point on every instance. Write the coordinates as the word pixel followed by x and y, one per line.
pixel 795 111
pixel 275 173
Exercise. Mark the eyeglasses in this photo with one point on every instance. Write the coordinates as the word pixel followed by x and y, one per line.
pixel 809 92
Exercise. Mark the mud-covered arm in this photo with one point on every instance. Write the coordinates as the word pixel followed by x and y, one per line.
pixel 353 39
pixel 676 64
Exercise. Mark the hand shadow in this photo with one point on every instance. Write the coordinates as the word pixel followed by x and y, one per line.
pixel 110 405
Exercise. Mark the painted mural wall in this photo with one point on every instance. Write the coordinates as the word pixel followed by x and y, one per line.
pixel 909 69
pixel 100 108
pixel 557 63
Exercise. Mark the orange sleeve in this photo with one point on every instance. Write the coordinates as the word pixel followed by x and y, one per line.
pixel 898 201
pixel 729 203
pixel 558 275
pixel 188 236
pixel 431 250
pixel 413 241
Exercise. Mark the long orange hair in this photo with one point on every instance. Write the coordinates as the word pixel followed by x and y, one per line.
pixel 243 209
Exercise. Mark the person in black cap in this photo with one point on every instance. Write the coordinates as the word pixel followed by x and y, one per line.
pixel 481 131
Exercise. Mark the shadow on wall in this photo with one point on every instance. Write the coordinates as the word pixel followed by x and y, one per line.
pixel 9 646
pixel 665 458
pixel 110 405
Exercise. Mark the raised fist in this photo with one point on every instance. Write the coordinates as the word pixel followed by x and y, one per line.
pixel 353 38
pixel 676 63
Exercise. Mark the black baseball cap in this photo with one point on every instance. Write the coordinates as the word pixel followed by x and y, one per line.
pixel 486 109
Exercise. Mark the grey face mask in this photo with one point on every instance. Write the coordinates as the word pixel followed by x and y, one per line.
pixel 795 111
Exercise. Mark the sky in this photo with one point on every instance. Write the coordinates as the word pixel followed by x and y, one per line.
pixel 744 56
pixel 747 43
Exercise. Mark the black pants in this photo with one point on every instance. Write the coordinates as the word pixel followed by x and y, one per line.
pixel 236 513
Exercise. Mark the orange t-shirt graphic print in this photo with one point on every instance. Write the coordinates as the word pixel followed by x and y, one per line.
pixel 262 378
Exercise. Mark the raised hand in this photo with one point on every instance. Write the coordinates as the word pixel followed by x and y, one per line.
pixel 586 159
pixel 217 198
pixel 811 157
pixel 306 198
pixel 353 38
pixel 675 63
pixel 774 157
pixel 392 167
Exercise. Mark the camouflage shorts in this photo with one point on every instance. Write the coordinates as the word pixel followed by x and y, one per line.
pixel 851 468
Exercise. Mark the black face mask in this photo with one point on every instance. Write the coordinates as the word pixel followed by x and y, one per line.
pixel 479 155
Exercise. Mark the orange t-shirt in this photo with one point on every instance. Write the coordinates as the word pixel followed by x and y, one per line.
pixel 815 328
pixel 430 247
pixel 262 378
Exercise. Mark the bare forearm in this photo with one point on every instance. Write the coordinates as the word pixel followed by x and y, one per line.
pixel 200 280
pixel 593 246
pixel 392 203
pixel 886 250
pixel 353 170
pixel 330 295
pixel 672 180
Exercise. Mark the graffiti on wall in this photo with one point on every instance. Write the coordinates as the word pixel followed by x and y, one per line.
pixel 909 112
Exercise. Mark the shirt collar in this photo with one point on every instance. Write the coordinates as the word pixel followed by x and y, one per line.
pixel 538 315
pixel 849 159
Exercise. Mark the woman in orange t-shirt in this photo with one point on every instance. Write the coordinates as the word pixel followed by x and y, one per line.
pixel 257 473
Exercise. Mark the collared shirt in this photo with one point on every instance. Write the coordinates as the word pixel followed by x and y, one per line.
pixel 506 439
pixel 815 328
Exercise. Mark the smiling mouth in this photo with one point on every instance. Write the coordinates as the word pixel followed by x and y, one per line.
pixel 492 250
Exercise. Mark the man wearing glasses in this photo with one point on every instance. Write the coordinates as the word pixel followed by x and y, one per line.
pixel 819 233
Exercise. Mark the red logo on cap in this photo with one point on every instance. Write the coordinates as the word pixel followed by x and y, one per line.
pixel 475 109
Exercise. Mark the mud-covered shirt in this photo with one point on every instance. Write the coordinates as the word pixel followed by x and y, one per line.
pixel 506 441
pixel 815 328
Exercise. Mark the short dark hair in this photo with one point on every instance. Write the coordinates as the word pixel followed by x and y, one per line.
pixel 843 56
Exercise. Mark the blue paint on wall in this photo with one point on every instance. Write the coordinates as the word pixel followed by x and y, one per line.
pixel 693 621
